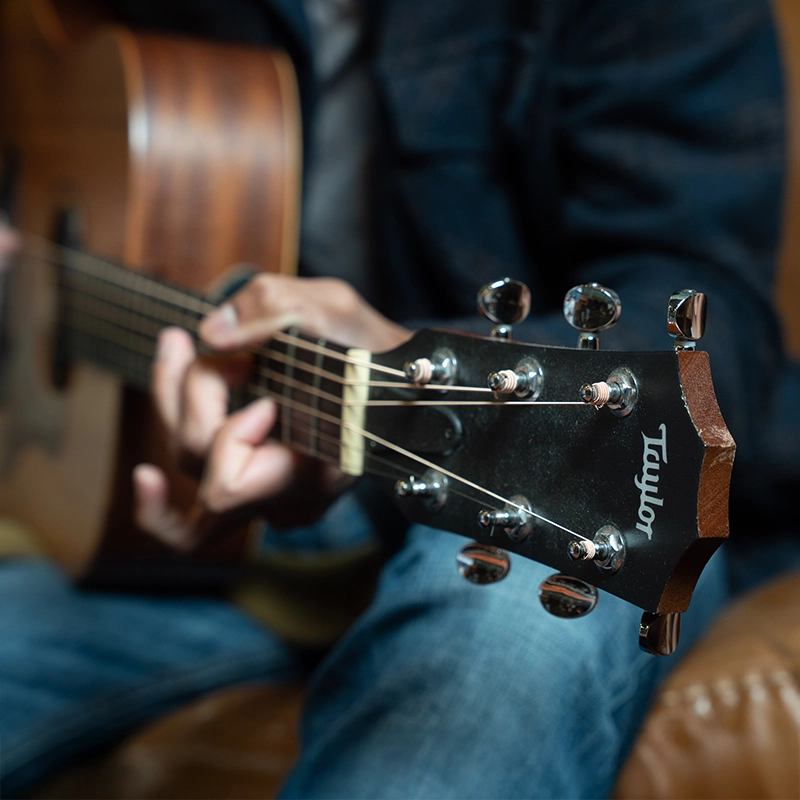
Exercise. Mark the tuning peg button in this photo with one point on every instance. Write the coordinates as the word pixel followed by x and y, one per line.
pixel 590 308
pixel 482 564
pixel 565 596
pixel 686 318
pixel 659 633
pixel 505 303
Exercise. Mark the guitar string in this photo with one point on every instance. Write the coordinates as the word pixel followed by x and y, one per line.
pixel 60 255
pixel 92 266
pixel 142 326
pixel 91 322
pixel 396 472
pixel 284 358
pixel 315 413
pixel 155 290
pixel 138 283
pixel 197 307
pixel 282 400
pixel 295 384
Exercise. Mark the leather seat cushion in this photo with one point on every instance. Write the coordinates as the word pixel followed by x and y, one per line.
pixel 726 724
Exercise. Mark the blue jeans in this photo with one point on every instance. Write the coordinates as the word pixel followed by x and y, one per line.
pixel 441 689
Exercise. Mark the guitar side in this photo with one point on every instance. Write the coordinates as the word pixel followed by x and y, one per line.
pixel 180 159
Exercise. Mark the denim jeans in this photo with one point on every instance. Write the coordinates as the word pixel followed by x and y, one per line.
pixel 441 689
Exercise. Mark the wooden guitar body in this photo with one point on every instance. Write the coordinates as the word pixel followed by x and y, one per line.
pixel 175 157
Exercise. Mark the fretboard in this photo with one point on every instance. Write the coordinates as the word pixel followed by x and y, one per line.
pixel 307 377
pixel 111 317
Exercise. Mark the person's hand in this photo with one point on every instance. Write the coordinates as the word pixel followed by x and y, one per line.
pixel 247 473
pixel 9 243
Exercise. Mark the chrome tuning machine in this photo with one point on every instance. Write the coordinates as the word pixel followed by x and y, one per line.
pixel 482 563
pixel 606 550
pixel 567 597
pixel 591 308
pixel 515 519
pixel 431 489
pixel 505 303
pixel 686 318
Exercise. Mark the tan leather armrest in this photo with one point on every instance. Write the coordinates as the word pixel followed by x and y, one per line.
pixel 727 722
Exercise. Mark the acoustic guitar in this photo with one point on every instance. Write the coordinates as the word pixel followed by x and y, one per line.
pixel 175 157
pixel 611 467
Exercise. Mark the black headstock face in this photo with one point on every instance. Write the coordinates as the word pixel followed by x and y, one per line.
pixel 654 473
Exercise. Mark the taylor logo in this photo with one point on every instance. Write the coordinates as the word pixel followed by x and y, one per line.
pixel 655 451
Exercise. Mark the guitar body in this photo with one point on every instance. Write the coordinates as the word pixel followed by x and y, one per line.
pixel 175 157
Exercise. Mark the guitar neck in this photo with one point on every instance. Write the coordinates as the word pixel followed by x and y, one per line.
pixel 111 317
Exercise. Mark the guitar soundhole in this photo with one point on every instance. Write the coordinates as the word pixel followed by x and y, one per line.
pixel 67 234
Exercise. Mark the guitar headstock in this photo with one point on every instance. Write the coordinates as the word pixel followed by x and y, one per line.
pixel 611 467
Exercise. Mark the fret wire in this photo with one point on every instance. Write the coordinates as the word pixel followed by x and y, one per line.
pixel 398 472
pixel 316 392
pixel 286 416
pixel 292 383
pixel 333 459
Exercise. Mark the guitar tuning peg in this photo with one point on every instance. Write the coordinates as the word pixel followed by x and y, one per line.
pixel 590 308
pixel 505 303
pixel 659 633
pixel 686 318
pixel 568 597
pixel 482 564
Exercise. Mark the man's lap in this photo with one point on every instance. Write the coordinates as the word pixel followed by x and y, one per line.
pixel 441 689
pixel 446 689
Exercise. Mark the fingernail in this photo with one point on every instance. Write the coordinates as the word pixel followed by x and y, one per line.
pixel 164 346
pixel 219 323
